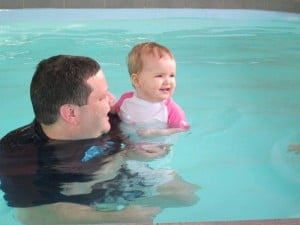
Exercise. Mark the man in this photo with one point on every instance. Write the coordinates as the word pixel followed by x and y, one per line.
pixel 63 167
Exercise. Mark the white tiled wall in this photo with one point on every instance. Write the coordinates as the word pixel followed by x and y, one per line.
pixel 277 5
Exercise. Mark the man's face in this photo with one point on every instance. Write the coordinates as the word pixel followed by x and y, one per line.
pixel 94 119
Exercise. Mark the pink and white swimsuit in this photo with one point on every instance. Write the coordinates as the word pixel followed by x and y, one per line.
pixel 134 111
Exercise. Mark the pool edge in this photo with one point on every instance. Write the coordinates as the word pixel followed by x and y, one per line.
pixel 272 5
pixel 293 221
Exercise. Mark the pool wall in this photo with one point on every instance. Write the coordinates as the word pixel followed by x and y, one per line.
pixel 273 5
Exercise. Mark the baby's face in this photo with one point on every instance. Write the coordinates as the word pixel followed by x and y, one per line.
pixel 156 82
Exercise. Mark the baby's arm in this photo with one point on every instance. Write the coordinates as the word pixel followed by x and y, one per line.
pixel 176 122
pixel 152 132
pixel 116 105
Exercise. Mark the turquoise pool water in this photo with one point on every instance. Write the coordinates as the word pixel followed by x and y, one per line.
pixel 238 79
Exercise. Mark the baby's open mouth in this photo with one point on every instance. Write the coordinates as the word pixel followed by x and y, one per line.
pixel 165 89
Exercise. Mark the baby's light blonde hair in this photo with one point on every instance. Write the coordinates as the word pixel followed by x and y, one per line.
pixel 135 59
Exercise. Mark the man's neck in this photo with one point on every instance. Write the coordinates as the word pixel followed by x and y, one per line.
pixel 56 132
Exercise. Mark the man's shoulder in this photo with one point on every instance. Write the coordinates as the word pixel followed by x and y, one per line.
pixel 19 137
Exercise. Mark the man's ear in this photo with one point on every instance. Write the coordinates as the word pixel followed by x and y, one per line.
pixel 134 80
pixel 69 113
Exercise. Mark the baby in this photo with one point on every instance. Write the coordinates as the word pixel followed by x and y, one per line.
pixel 150 108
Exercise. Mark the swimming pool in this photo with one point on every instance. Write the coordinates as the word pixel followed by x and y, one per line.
pixel 237 79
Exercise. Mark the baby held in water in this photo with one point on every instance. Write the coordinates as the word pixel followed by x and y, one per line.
pixel 150 109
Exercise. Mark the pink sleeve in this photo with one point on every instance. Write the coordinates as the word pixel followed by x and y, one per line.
pixel 121 100
pixel 176 116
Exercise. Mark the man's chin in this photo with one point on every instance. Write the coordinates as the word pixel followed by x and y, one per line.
pixel 107 128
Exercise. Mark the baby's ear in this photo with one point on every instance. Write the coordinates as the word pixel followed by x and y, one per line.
pixel 134 80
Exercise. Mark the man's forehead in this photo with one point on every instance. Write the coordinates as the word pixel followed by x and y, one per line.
pixel 98 77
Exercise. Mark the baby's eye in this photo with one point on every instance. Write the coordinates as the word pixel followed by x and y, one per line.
pixel 172 75
pixel 158 75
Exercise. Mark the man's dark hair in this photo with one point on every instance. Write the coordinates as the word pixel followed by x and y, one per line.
pixel 60 80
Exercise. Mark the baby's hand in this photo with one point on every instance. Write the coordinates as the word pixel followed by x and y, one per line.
pixel 159 132
pixel 148 151
pixel 144 132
